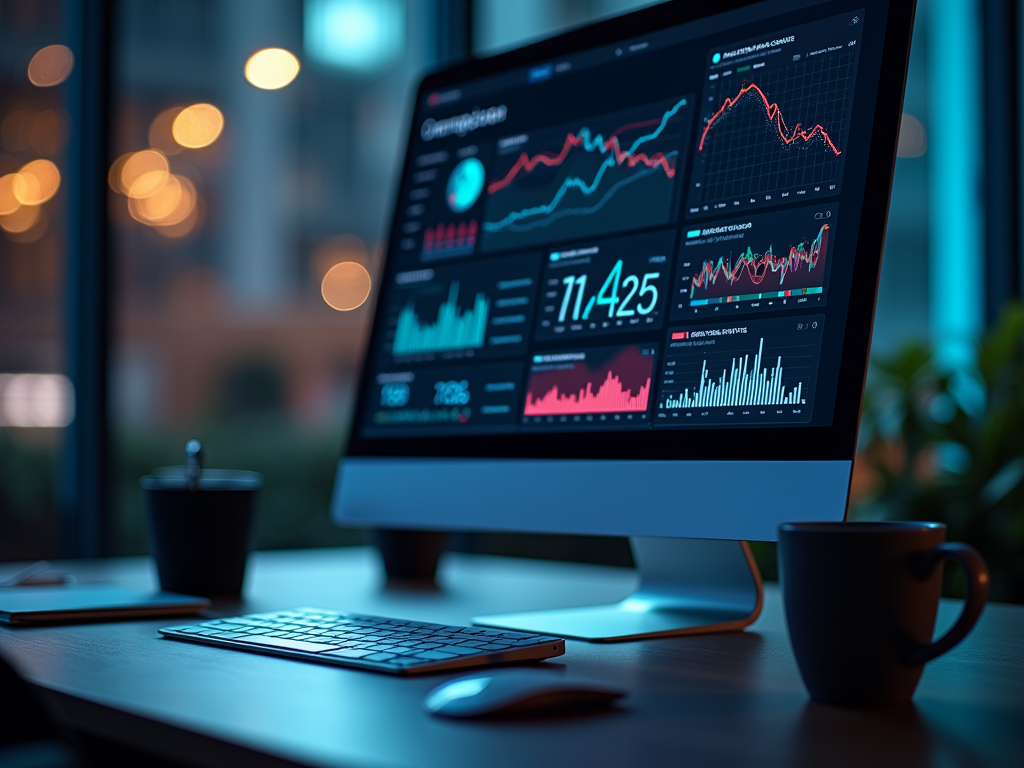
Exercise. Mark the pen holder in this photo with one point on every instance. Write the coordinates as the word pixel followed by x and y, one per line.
pixel 201 533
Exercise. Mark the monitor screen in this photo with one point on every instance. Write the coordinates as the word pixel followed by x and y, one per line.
pixel 646 247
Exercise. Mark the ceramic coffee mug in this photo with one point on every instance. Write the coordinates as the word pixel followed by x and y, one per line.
pixel 861 601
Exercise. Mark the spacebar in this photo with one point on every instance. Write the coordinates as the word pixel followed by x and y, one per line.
pixel 291 645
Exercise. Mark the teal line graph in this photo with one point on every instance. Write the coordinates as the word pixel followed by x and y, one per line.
pixel 552 218
pixel 453 329
pixel 574 182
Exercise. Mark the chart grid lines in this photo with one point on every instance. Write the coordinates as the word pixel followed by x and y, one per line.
pixel 744 154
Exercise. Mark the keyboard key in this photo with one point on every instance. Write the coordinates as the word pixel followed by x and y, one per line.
pixel 291 645
pixel 379 657
pixel 435 655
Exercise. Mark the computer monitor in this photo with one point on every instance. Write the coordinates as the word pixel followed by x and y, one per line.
pixel 629 290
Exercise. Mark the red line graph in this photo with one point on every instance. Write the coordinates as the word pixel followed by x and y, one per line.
pixel 774 114
pixel 526 164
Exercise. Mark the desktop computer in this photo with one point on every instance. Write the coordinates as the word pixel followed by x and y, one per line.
pixel 629 290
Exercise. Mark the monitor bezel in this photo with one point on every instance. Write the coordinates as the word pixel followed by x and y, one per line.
pixel 834 442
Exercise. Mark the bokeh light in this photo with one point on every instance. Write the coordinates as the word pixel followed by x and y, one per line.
pixel 334 251
pixel 271 68
pixel 8 202
pixel 51 66
pixel 36 400
pixel 346 286
pixel 913 141
pixel 198 126
pixel 143 173
pixel 181 228
pixel 148 184
pixel 161 136
pixel 170 205
pixel 21 220
pixel 35 230
pixel 114 174
pixel 36 182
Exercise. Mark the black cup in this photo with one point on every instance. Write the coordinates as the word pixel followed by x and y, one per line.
pixel 861 600
pixel 201 537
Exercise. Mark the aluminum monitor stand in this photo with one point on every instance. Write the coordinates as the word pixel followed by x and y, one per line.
pixel 687 587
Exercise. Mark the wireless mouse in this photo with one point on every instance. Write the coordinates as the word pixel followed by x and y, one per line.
pixel 518 692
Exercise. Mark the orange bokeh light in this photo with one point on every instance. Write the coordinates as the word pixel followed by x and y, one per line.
pixel 197 126
pixel 21 220
pixel 36 182
pixel 8 202
pixel 144 173
pixel 181 228
pixel 170 205
pixel 346 286
pixel 51 66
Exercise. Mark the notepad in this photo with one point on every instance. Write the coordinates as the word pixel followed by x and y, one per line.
pixel 45 605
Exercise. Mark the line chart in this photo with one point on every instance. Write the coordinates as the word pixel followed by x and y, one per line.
pixel 526 164
pixel 622 165
pixel 762 272
pixel 773 131
pixel 552 214
pixel 774 115
pixel 762 262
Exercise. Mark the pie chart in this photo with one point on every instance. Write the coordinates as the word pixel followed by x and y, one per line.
pixel 465 185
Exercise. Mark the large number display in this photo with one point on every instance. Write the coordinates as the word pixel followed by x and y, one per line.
pixel 627 246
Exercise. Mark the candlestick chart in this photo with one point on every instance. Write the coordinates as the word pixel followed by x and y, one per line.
pixel 758 263
pixel 749 275
pixel 606 174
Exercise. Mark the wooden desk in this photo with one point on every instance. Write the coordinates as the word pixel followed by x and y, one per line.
pixel 716 700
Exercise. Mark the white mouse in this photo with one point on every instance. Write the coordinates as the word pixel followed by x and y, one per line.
pixel 518 691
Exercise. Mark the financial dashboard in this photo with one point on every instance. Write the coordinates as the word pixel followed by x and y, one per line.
pixel 657 234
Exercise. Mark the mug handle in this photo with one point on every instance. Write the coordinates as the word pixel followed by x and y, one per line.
pixel 977 594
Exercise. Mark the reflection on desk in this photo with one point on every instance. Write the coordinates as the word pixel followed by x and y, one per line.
pixel 725 700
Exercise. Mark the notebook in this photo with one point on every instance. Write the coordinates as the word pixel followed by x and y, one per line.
pixel 44 605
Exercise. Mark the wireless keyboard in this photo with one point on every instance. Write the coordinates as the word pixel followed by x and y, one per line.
pixel 369 642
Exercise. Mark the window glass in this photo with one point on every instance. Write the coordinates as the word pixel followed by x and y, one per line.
pixel 35 396
pixel 257 144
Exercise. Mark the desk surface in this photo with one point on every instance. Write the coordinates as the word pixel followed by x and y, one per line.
pixel 733 699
